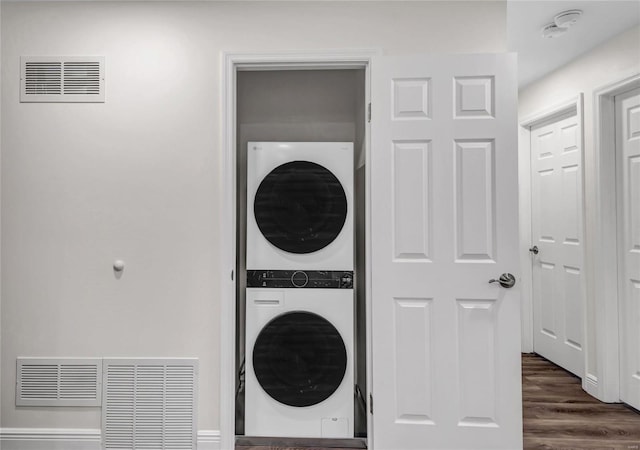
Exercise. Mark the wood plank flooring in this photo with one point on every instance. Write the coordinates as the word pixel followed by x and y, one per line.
pixel 557 413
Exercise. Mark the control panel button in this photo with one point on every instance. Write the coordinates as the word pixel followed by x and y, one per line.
pixel 299 279
pixel 346 281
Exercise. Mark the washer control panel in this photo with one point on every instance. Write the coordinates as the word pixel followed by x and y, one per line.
pixel 308 279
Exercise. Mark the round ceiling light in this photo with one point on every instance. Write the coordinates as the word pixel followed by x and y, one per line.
pixel 567 18
pixel 552 31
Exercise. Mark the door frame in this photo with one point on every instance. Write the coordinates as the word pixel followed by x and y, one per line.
pixel 606 385
pixel 231 64
pixel 570 105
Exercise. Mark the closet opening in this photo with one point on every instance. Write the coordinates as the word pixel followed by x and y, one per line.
pixel 300 289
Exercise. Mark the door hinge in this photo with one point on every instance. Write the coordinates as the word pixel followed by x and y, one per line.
pixel 370 404
pixel 232 275
pixel 369 112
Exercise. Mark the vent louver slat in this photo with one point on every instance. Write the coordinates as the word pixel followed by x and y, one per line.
pixel 39 382
pixel 179 389
pixel 43 78
pixel 62 79
pixel 119 404
pixel 150 404
pixel 59 382
pixel 82 78
pixel 79 381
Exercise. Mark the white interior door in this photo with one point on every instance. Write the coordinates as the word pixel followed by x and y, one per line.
pixel 627 108
pixel 557 228
pixel 444 212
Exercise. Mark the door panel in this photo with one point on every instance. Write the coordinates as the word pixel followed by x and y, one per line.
pixel 413 369
pixel 557 228
pixel 412 200
pixel 628 175
pixel 474 200
pixel 446 342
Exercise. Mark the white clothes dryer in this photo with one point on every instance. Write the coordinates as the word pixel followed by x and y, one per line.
pixel 299 356
pixel 300 206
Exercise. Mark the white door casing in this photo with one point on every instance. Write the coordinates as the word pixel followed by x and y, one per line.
pixel 627 107
pixel 444 221
pixel 557 233
pixel 309 60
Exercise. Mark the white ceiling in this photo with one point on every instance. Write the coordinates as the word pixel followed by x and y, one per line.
pixel 538 56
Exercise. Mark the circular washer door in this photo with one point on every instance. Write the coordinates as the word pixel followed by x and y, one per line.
pixel 299 359
pixel 300 207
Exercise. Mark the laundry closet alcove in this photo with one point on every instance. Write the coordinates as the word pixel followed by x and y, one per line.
pixel 436 343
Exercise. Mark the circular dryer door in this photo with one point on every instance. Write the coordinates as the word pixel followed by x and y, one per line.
pixel 300 207
pixel 299 359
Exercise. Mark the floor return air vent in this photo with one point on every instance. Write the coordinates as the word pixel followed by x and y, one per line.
pixel 76 79
pixel 59 382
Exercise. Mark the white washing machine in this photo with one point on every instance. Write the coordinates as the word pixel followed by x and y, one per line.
pixel 299 354
pixel 300 206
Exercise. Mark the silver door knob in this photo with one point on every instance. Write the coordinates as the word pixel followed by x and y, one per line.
pixel 534 250
pixel 506 280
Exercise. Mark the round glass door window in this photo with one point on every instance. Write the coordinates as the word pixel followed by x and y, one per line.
pixel 299 359
pixel 300 207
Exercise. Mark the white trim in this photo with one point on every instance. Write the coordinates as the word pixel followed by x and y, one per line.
pixel 367 226
pixel 524 202
pixel 209 440
pixel 228 256
pixel 50 439
pixel 549 113
pixel 231 63
pixel 590 384
pixel 604 255
pixel 76 439
pixel 573 105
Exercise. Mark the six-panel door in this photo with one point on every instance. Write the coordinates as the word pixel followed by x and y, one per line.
pixel 557 230
pixel 628 177
pixel 444 222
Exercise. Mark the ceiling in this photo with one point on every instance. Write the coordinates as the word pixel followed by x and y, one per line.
pixel 538 56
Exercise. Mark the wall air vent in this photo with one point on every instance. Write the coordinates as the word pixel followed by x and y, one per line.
pixel 59 382
pixel 76 79
pixel 149 403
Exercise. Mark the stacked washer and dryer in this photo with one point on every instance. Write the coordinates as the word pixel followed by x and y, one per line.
pixel 299 299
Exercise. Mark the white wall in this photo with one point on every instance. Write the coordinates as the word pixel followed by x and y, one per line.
pixel 614 60
pixel 138 177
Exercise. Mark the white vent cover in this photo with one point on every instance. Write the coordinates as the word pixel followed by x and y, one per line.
pixel 149 403
pixel 62 79
pixel 59 382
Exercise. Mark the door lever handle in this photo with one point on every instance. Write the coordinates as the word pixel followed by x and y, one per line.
pixel 506 280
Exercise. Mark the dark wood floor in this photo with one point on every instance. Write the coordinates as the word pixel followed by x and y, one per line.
pixel 558 415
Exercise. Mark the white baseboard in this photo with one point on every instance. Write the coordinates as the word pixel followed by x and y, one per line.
pixel 208 440
pixel 49 438
pixel 590 385
pixel 76 439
